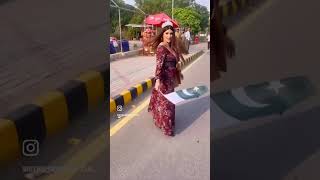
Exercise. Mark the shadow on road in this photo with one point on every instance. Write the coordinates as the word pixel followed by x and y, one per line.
pixel 183 116
pixel 269 151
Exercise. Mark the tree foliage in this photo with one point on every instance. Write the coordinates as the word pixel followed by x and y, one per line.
pixel 188 17
pixel 204 15
pixel 156 6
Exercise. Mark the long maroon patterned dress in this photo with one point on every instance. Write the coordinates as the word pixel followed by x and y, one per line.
pixel 163 111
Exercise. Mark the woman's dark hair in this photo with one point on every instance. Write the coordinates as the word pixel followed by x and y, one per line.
pixel 158 39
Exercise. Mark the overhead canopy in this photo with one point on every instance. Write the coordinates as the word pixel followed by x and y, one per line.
pixel 158 19
pixel 138 25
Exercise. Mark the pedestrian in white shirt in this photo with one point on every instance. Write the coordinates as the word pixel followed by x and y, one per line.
pixel 188 38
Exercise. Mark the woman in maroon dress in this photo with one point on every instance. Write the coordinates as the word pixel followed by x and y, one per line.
pixel 222 45
pixel 167 77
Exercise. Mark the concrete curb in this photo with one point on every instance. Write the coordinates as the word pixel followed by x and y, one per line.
pixel 132 93
pixel 116 56
pixel 51 113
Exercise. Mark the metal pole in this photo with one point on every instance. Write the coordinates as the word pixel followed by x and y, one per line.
pixel 172 9
pixel 144 23
pixel 120 30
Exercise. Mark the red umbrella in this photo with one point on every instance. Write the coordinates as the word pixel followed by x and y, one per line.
pixel 158 19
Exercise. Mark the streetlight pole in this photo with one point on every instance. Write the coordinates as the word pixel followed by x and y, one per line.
pixel 116 5
pixel 120 30
pixel 172 9
pixel 119 24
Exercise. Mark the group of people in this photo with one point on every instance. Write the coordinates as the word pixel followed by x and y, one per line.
pixel 186 38
pixel 168 76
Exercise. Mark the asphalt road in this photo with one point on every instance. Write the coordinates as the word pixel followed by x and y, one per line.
pixel 278 40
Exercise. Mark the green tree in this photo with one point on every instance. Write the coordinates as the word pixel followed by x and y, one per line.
pixel 194 15
pixel 136 19
pixel 188 17
pixel 204 15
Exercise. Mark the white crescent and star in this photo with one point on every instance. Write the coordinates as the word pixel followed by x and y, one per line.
pixel 187 93
pixel 242 97
pixel 275 86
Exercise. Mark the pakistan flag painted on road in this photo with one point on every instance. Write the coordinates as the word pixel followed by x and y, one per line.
pixel 264 99
pixel 192 92
pixel 186 94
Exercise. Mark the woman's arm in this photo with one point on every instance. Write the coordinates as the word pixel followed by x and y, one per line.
pixel 160 57
pixel 229 43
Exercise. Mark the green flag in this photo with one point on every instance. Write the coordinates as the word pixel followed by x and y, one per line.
pixel 264 99
pixel 186 94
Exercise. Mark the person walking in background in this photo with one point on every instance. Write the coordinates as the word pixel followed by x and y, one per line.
pixel 180 42
pixel 208 38
pixel 167 77
pixel 146 41
pixel 184 41
pixel 222 45
pixel 187 35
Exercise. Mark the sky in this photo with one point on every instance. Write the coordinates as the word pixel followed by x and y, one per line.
pixel 202 2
